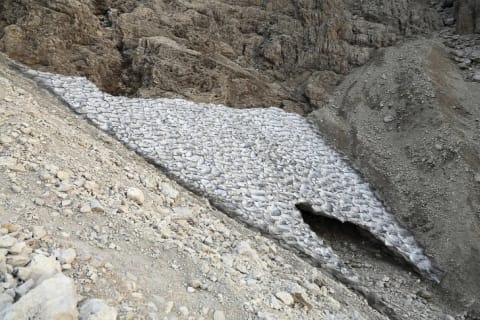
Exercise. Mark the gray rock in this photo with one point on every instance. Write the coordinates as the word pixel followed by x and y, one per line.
pixel 65 255
pixel 54 298
pixel 136 195
pixel 42 267
pixel 388 119
pixel 96 309
pixel 7 241
pixel 285 297
pixel 39 232
pixel 96 206
pixel 219 315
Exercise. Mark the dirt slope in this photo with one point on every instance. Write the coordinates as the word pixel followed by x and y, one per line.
pixel 411 123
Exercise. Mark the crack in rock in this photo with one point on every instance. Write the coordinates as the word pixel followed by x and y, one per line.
pixel 255 164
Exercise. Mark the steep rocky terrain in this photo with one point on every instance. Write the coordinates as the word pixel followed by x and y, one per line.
pixel 288 54
pixel 74 199
pixel 407 116
pixel 411 123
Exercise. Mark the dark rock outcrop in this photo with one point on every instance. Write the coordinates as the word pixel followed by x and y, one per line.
pixel 467 15
pixel 240 53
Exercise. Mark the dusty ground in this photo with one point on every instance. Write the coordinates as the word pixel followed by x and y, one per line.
pixel 410 122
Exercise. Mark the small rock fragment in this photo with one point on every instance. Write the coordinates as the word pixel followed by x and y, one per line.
pixel 39 232
pixel 388 119
pixel 136 195
pixel 96 309
pixel 7 241
pixel 285 297
pixel 63 175
pixel 219 315
pixel 96 206
pixel 65 256
pixel 183 310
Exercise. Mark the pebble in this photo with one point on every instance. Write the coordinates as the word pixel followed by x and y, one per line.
pixel 5 140
pixel 18 260
pixel 90 185
pixel 136 195
pixel 7 241
pixel 424 293
pixel 85 208
pixel 183 310
pixel 285 297
pixel 18 247
pixel 388 119
pixel 63 175
pixel 96 309
pixel 169 307
pixel 477 178
pixel 96 206
pixel 219 315
pixel 16 188
pixel 65 256
pixel 39 232
pixel 476 77
pixel 196 284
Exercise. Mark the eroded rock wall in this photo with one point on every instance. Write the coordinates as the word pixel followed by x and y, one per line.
pixel 240 53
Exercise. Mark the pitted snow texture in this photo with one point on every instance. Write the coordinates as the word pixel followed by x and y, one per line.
pixel 255 164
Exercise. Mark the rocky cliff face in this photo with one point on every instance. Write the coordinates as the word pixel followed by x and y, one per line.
pixel 241 53
pixel 467 15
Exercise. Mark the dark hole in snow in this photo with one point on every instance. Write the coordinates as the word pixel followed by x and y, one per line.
pixel 350 241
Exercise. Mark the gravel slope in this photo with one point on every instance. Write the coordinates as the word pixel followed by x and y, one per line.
pixel 167 256
pixel 411 124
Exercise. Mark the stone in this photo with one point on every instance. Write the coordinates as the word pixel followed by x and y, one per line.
pixel 5 140
pixel 197 284
pixel 39 232
pixel 65 187
pixel 96 309
pixel 476 177
pixel 7 241
pixel 18 260
pixel 65 256
pixel 16 188
pixel 63 175
pixel 54 298
pixel 243 248
pixel 476 76
pixel 90 185
pixel 219 315
pixel 425 294
pixel 136 195
pixel 285 297
pixel 183 310
pixel 85 208
pixel 6 301
pixel 96 206
pixel 25 287
pixel 42 267
pixel 18 247
pixel 388 119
